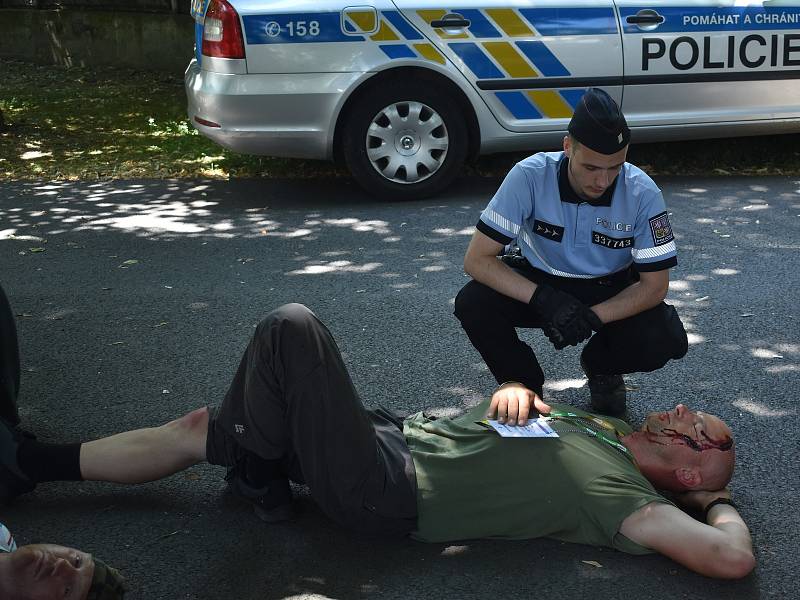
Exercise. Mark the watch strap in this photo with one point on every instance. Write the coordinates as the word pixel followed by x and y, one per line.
pixel 713 503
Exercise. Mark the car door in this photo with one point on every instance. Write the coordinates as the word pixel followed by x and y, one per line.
pixel 710 61
pixel 530 61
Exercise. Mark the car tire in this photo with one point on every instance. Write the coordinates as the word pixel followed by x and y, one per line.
pixel 404 141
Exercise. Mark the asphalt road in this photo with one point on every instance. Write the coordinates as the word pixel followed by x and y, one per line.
pixel 109 344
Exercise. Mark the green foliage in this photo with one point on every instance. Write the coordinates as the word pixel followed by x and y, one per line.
pixel 113 123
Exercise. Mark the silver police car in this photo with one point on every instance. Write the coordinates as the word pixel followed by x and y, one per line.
pixel 404 91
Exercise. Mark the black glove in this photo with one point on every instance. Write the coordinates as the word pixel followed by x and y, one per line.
pixel 565 320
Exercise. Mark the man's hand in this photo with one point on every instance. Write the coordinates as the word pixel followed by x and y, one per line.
pixel 567 321
pixel 699 499
pixel 511 404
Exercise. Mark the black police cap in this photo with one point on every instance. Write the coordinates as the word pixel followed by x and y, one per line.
pixel 598 124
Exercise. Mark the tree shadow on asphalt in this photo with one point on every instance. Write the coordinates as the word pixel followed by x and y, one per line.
pixel 185 538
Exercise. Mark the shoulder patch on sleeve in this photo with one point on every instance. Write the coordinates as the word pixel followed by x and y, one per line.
pixel 661 229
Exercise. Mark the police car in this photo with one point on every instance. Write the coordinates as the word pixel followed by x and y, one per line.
pixel 404 91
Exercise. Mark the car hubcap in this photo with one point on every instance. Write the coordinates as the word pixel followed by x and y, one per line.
pixel 407 142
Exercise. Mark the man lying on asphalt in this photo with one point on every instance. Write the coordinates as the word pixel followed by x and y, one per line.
pixel 49 572
pixel 292 413
pixel 38 571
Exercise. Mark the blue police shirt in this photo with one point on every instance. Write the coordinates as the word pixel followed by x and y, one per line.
pixel 563 235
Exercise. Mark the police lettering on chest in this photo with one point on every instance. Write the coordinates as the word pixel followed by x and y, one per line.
pixel 613 225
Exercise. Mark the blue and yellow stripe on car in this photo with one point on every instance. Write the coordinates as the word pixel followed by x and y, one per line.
pixel 510 59
pixel 392 26
pixel 510 22
pixel 360 21
pixel 585 20
pixel 429 52
pixel 540 104
pixel 500 44
pixel 480 26
pixel 495 59
pixel 518 58
pixel 539 54
pixel 403 27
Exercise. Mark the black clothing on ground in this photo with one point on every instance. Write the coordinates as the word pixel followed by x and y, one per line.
pixel 41 462
pixel 9 362
pixel 38 461
pixel 643 342
pixel 292 399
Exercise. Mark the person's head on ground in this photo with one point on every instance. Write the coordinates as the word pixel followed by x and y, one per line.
pixel 50 572
pixel 682 450
pixel 597 144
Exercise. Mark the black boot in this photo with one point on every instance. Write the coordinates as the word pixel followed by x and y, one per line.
pixel 607 393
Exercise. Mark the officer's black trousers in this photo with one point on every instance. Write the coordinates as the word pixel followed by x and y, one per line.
pixel 643 342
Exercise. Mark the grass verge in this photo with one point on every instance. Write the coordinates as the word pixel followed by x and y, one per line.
pixel 118 123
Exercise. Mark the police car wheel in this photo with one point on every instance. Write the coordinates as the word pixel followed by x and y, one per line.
pixel 403 142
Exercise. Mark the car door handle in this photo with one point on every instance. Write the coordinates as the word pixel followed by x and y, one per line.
pixel 645 17
pixel 450 22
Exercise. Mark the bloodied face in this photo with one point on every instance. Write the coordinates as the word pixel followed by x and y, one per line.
pixel 697 431
pixel 694 449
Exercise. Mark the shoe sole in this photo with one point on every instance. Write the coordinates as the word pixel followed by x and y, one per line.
pixel 279 514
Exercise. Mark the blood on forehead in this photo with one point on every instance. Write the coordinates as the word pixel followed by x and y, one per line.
pixel 705 443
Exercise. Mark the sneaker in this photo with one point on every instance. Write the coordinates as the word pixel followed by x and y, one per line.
pixel 608 395
pixel 13 482
pixel 272 502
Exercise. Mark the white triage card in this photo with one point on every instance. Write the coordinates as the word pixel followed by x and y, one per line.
pixel 537 428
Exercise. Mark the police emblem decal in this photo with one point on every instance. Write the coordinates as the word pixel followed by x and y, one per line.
pixel 661 229
pixel 548 231
pixel 273 29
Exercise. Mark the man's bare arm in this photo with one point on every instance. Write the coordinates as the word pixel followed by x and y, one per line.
pixel 721 549
pixel 642 295
pixel 480 263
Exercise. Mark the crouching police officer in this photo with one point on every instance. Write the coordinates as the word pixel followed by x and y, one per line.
pixel 596 247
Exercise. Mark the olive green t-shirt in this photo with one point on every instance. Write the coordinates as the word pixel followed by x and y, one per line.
pixel 472 483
